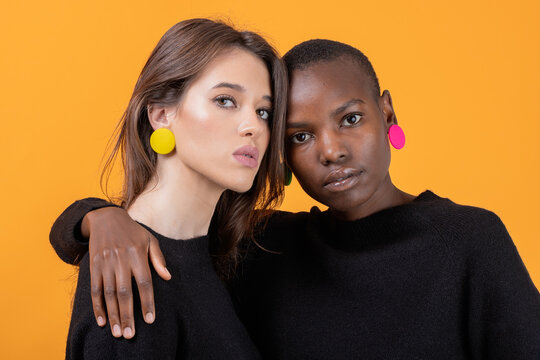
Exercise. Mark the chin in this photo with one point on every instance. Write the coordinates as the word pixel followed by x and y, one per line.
pixel 342 206
pixel 242 185
pixel 343 202
pixel 240 190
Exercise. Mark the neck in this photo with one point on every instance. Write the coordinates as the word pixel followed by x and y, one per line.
pixel 387 195
pixel 177 202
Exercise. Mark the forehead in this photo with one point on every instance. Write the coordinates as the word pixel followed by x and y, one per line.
pixel 326 85
pixel 237 66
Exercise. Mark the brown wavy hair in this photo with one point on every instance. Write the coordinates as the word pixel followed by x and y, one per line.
pixel 180 55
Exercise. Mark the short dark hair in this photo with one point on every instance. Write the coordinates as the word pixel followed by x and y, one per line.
pixel 314 51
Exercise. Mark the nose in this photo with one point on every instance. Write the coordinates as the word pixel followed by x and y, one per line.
pixel 251 125
pixel 332 149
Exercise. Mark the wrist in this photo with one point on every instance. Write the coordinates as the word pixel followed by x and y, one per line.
pixel 89 220
pixel 85 225
pixel 97 217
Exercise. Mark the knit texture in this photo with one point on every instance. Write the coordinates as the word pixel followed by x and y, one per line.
pixel 426 280
pixel 195 318
pixel 65 235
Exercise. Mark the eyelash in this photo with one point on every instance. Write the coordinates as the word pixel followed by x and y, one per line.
pixel 360 116
pixel 268 114
pixel 224 97
pixel 220 98
pixel 293 137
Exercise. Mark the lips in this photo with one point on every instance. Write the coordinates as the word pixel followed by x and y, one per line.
pixel 247 156
pixel 341 179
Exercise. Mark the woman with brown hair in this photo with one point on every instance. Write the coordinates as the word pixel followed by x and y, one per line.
pixel 194 146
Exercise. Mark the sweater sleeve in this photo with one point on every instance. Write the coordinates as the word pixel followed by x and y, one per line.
pixel 86 340
pixel 65 235
pixel 503 303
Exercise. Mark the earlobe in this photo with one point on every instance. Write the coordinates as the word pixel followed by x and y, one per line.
pixel 396 137
pixel 162 139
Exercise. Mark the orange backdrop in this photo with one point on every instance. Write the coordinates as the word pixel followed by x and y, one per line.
pixel 464 76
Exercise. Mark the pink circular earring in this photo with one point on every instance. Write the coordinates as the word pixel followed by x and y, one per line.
pixel 396 136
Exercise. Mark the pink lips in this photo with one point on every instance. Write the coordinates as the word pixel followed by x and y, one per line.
pixel 341 179
pixel 247 156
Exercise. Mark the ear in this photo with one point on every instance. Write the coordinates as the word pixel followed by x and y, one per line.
pixel 387 108
pixel 160 116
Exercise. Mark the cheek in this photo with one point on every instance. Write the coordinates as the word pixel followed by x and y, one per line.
pixel 297 160
pixel 265 138
pixel 203 128
pixel 378 152
pixel 200 147
pixel 191 122
pixel 291 156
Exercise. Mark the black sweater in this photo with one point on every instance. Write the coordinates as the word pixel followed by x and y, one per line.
pixel 425 280
pixel 195 316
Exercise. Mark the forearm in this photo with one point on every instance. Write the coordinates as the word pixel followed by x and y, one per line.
pixel 68 238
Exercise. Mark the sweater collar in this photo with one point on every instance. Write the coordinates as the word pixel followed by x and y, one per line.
pixel 197 244
pixel 375 230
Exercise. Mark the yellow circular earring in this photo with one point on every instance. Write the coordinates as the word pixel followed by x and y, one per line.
pixel 162 141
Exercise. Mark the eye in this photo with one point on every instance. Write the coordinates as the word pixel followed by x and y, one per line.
pixel 263 114
pixel 225 101
pixel 300 138
pixel 351 119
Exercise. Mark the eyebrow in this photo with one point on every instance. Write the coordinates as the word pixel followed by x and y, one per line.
pixel 297 125
pixel 230 86
pixel 346 105
pixel 237 87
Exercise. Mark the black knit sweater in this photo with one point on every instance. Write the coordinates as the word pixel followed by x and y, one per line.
pixel 195 318
pixel 425 280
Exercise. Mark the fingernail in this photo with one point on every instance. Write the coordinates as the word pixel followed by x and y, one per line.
pixel 149 317
pixel 100 321
pixel 127 332
pixel 117 331
pixel 167 270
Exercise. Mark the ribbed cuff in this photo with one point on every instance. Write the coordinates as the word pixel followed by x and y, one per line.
pixel 66 237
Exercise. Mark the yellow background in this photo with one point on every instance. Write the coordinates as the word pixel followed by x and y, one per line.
pixel 464 77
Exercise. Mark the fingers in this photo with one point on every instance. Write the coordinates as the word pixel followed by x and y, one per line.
pixel 119 248
pixel 143 278
pixel 124 294
pixel 96 290
pixel 109 292
pixel 157 259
